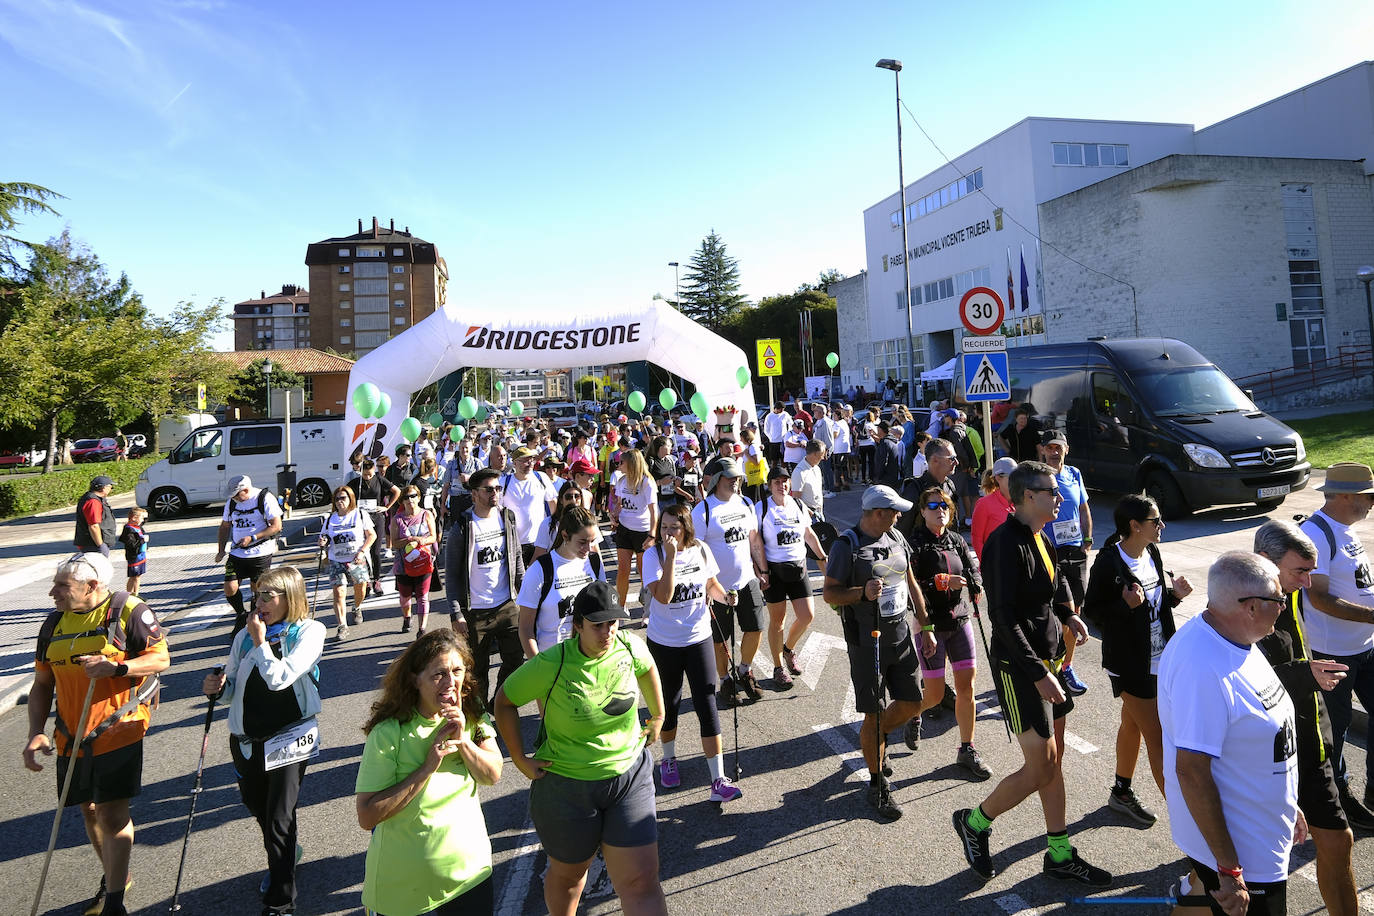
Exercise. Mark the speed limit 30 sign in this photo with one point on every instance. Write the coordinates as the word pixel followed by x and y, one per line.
pixel 981 310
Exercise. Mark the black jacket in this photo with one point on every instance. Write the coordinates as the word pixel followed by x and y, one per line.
pixel 944 554
pixel 1027 603
pixel 1286 650
pixel 1126 630
pixel 887 466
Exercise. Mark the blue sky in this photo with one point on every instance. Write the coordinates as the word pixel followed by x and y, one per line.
pixel 561 155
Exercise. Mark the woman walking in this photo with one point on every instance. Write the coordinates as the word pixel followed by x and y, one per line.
pixel 634 513
pixel 785 534
pixel 429 746
pixel 551 585
pixel 347 537
pixel 271 682
pixel 995 505
pixel 413 538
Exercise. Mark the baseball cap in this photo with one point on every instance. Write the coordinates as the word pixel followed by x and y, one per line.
pixel 717 468
pixel 884 497
pixel 581 466
pixel 101 481
pixel 523 451
pixel 778 471
pixel 1003 466
pixel 240 482
pixel 598 603
pixel 1053 435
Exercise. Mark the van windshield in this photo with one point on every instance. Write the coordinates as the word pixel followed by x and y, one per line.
pixel 566 410
pixel 1191 390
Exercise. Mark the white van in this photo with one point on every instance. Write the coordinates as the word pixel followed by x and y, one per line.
pixel 559 414
pixel 199 469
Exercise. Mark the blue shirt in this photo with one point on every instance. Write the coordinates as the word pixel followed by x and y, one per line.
pixel 1067 529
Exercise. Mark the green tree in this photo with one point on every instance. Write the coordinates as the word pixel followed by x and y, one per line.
pixel 828 276
pixel 249 384
pixel 175 357
pixel 589 388
pixel 18 197
pixel 710 292
pixel 777 316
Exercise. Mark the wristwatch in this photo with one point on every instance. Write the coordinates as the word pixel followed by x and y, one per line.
pixel 121 670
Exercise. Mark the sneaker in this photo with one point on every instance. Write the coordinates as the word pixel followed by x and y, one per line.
pixel 887 767
pixel 1075 869
pixel 880 797
pixel 751 687
pixel 911 733
pixel 723 790
pixel 1357 814
pixel 947 701
pixel 971 760
pixel 96 905
pixel 278 911
pixel 376 589
pixel 341 633
pixel 789 659
pixel 726 694
pixel 405 624
pixel 781 679
pixel 976 848
pixel 1072 684
pixel 667 773
pixel 355 616
pixel 1128 804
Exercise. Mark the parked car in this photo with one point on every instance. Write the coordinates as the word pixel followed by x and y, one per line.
pixel 10 460
pixel 86 450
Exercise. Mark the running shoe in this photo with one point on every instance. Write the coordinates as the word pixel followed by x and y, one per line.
pixel 667 773
pixel 405 624
pixel 726 694
pixel 887 766
pixel 1075 869
pixel 355 616
pixel 911 733
pixel 750 687
pixel 723 790
pixel 341 633
pixel 789 659
pixel 781 679
pixel 971 760
pixel 880 797
pixel 96 905
pixel 1075 687
pixel 1128 804
pixel 977 851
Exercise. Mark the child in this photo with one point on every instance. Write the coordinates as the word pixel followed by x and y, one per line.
pixel 135 541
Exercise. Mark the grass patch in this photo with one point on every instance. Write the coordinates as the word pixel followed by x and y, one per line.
pixel 1338 437
pixel 21 496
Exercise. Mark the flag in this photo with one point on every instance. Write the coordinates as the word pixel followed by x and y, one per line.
pixel 1025 282
pixel 1039 277
pixel 1011 286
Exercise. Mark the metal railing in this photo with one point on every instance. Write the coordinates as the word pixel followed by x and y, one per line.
pixel 1349 362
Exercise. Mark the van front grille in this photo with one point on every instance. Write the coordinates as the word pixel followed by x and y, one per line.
pixel 1271 457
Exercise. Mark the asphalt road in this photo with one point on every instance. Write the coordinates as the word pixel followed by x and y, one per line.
pixel 801 840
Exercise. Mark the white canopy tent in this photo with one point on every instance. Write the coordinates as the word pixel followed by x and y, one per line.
pixel 459 336
pixel 943 373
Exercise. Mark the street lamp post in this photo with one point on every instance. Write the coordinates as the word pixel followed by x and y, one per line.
pixel 267 377
pixel 1365 275
pixel 896 67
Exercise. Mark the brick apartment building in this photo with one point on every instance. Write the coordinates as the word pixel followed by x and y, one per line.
pixel 276 322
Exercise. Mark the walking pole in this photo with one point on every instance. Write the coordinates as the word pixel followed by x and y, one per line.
pixel 879 735
pixel 195 794
pixel 62 801
pixel 987 650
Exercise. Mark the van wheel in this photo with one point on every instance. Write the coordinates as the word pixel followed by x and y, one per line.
pixel 311 493
pixel 1160 487
pixel 168 502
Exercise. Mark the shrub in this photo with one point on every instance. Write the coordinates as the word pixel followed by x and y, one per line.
pixel 41 492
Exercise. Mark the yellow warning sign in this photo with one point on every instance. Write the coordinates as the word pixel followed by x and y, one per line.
pixel 770 356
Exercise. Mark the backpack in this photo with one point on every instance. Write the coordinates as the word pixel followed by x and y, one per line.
pixel 706 522
pixel 1325 530
pixel 545 561
pixel 257 507
pixel 422 565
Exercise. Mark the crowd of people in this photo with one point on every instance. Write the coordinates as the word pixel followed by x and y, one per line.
pixel 1242 710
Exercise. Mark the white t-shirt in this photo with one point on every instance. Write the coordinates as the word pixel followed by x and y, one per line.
pixel 843 446
pixel 794 447
pixel 686 619
pixel 1350 578
pixel 544 536
pixel 244 520
pixel 346 534
pixel 488 579
pixel 870 428
pixel 776 425
pixel 529 499
pixel 810 483
pixel 918 464
pixel 1144 570
pixel 727 537
pixel 1225 701
pixel 553 618
pixel 634 506
pixel 783 529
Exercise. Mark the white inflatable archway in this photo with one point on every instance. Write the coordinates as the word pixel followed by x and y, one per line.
pixel 456 337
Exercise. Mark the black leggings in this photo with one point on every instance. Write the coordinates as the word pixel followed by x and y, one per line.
pixel 698 662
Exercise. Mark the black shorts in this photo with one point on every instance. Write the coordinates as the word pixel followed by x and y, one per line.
pixel 780 588
pixel 749 608
pixel 630 539
pixel 236 569
pixel 106 777
pixel 1317 795
pixel 1266 899
pixel 1144 687
pixel 901 665
pixel 575 816
pixel 1022 704
pixel 1073 566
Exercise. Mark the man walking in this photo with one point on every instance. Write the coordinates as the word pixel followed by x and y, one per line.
pixel 1028 603
pixel 1341 625
pixel 823 431
pixel 1230 742
pixel 868 578
pixel 887 459
pixel 806 483
pixel 113 653
pixel 776 424
pixel 941 462
pixel 248 531
pixel 95 520
pixel 375 495
pixel 530 494
pixel 1070 533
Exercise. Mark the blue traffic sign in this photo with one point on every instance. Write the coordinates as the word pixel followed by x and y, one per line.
pixel 986 376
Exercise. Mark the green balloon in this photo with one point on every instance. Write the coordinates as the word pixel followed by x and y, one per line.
pixel 500 386
pixel 457 433
pixel 481 414
pixel 668 398
pixel 832 359
pixel 516 408
pixel 742 376
pixel 467 407
pixel 365 398
pixel 699 406
pixel 410 429
pixel 436 419
pixel 636 401
pixel 383 406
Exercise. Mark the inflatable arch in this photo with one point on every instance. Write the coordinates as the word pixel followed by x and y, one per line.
pixel 456 337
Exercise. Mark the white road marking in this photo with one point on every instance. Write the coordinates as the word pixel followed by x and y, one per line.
pixel 814 654
pixel 1309 871
pixel 849 755
pixel 522 872
pixel 1079 744
pixel 1015 905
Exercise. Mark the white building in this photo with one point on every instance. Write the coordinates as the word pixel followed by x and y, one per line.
pixel 1254 222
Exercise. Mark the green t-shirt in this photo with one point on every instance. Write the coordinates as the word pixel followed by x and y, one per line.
pixel 593 730
pixel 436 847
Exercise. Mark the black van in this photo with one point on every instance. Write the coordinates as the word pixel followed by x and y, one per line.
pixel 1153 414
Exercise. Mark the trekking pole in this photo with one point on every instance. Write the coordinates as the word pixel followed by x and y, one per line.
pixel 1198 900
pixel 195 794
pixel 62 801
pixel 879 736
pixel 988 652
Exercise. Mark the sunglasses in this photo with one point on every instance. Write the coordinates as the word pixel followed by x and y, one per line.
pixel 1156 521
pixel 410 496
pixel 269 596
pixel 1281 602
pixel 936 506
pixel 341 499
pixel 1042 490
pixel 492 489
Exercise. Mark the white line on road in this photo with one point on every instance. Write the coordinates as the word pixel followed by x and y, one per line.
pixel 517 886
pixel 1015 905
pixel 849 755
pixel 1079 744
pixel 813 656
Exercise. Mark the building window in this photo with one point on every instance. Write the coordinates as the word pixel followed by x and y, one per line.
pixel 398 287
pixel 371 287
pixel 344 287
pixel 398 252
pixel 371 339
pixel 370 251
pixel 369 304
pixel 371 323
pixel 345 304
pixel 1307 326
pixel 1090 154
pixel 343 252
pixel 345 339
pixel 308 386
pixel 345 322
pixel 960 187
pixel 344 268
pixel 369 270
pixel 399 321
pixel 399 303
pixel 398 268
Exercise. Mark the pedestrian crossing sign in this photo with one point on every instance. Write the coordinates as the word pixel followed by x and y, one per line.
pixel 986 376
